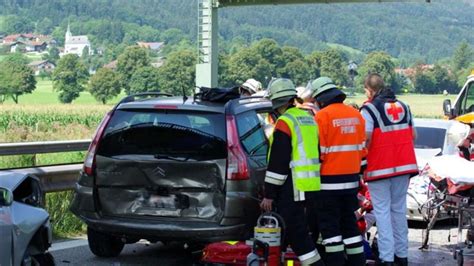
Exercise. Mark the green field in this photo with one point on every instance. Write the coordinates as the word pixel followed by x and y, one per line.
pixel 421 105
pixel 32 56
pixel 44 94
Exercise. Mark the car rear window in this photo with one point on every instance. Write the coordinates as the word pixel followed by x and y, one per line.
pixel 429 137
pixel 169 134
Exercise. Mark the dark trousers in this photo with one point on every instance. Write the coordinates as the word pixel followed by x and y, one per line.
pixel 313 226
pixel 296 233
pixel 337 225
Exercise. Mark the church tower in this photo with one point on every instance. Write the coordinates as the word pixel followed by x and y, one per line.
pixel 68 34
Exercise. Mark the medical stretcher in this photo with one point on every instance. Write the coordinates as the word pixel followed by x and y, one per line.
pixel 451 189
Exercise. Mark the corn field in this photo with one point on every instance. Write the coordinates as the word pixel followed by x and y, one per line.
pixel 26 123
pixel 36 116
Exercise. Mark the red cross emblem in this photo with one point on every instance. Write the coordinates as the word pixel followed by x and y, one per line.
pixel 394 111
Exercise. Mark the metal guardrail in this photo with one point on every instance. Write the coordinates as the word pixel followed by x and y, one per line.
pixel 53 178
pixel 43 147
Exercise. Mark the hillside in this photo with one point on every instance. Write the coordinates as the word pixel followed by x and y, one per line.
pixel 411 31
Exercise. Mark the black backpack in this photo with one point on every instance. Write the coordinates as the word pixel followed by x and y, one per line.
pixel 219 95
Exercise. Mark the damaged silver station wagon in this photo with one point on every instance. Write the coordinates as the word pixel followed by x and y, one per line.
pixel 168 168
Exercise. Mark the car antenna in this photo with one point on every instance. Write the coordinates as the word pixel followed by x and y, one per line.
pixel 184 95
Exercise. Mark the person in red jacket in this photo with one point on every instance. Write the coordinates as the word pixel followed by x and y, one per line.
pixel 391 162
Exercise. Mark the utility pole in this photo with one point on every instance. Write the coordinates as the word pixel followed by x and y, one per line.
pixel 208 51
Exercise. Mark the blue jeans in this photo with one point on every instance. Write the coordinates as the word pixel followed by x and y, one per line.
pixel 389 198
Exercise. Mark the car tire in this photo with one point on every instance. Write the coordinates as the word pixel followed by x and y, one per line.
pixel 103 244
pixel 45 259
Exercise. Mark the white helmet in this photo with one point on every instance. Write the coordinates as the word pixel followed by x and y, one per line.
pixel 299 91
pixel 252 86
pixel 304 93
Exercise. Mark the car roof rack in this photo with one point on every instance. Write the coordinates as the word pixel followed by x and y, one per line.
pixel 217 94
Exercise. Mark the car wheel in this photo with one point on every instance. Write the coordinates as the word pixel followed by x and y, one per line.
pixel 45 259
pixel 102 244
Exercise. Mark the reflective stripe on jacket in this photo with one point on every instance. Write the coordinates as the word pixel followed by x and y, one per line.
pixel 391 151
pixel 304 163
pixel 342 141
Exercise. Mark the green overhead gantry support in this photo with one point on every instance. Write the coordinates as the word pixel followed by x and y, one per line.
pixel 206 68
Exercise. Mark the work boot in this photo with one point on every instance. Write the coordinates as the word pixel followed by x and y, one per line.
pixel 385 263
pixel 401 261
pixel 379 262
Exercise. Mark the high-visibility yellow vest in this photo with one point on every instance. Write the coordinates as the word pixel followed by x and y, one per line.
pixel 304 163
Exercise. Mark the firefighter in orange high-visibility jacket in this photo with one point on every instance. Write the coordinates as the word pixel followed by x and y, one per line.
pixel 342 147
pixel 391 161
pixel 293 169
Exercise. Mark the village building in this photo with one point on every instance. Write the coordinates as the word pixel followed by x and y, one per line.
pixel 27 42
pixel 411 71
pixel 76 44
pixel 112 65
pixel 41 66
pixel 27 46
pixel 154 46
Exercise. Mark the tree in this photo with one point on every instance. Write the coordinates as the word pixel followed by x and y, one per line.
pixel 17 58
pixel 314 63
pixel 295 67
pixel 382 64
pixel 298 71
pixel 178 73
pixel 104 85
pixel 44 75
pixel 463 56
pixel 133 58
pixel 334 67
pixel 15 79
pixel 463 74
pixel 425 83
pixel 172 36
pixel 246 64
pixel 44 26
pixel 52 55
pixel 17 24
pixel 145 79
pixel 69 78
pixel 444 80
pixel 269 50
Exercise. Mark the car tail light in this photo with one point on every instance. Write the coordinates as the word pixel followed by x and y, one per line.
pixel 237 167
pixel 89 162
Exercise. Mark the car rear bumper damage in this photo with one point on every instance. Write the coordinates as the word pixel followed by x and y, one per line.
pixel 161 228
pixel 171 230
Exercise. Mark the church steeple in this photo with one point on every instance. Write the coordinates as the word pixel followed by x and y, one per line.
pixel 68 33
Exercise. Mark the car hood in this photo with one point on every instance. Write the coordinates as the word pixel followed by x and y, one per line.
pixel 11 180
pixel 424 155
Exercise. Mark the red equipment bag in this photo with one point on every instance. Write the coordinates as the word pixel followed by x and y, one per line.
pixel 227 252
pixel 290 258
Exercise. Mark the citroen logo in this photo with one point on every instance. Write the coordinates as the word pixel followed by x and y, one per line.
pixel 159 171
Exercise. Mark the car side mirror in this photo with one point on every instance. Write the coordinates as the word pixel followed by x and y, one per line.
pixel 448 110
pixel 6 197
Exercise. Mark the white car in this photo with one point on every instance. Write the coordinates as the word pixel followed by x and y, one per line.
pixel 434 137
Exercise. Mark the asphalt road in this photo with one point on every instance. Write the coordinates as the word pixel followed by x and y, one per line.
pixel 76 252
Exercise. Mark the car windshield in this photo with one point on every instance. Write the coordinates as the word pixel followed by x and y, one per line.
pixel 173 135
pixel 430 138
